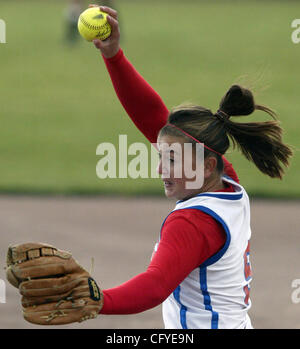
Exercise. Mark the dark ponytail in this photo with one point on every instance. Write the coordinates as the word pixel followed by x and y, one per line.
pixel 259 142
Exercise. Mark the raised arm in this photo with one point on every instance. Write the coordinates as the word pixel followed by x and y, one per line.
pixel 141 102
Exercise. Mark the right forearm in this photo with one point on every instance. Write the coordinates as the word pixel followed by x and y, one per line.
pixel 141 102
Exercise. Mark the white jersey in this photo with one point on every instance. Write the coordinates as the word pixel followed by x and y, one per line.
pixel 216 294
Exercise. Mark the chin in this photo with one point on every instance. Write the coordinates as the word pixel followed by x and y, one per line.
pixel 170 194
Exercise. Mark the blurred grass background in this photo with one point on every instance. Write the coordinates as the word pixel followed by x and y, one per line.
pixel 57 102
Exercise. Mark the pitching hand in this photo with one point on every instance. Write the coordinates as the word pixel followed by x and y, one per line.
pixel 111 45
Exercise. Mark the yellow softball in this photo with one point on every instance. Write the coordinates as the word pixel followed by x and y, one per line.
pixel 92 24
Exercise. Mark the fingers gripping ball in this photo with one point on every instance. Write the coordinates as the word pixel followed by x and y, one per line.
pixel 55 289
pixel 92 24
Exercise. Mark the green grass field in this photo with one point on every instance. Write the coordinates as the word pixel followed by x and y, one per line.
pixel 57 102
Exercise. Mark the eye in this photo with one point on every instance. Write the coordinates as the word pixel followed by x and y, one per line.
pixel 166 157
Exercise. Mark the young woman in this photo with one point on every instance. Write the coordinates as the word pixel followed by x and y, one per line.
pixel 200 270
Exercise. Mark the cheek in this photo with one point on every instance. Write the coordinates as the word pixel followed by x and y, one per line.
pixel 180 184
pixel 166 167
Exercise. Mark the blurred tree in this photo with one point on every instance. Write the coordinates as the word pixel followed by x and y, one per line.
pixel 71 14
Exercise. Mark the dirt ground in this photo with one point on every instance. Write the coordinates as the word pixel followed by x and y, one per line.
pixel 120 234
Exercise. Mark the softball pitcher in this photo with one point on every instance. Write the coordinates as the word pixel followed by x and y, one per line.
pixel 200 270
pixel 201 264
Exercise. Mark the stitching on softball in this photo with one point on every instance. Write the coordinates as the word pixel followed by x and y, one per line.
pixel 94 27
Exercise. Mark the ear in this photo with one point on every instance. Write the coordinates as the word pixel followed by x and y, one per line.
pixel 210 164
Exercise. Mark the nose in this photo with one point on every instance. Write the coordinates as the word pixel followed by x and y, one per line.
pixel 163 170
pixel 159 167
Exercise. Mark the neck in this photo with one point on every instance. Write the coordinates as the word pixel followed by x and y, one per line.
pixel 213 184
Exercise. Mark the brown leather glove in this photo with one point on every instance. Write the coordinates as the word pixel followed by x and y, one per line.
pixel 55 289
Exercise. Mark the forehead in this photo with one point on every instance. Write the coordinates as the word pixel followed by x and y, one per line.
pixel 176 145
pixel 167 139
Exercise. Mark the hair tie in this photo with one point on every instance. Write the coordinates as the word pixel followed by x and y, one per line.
pixel 222 116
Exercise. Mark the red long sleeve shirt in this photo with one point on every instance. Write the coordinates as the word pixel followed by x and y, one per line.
pixel 188 237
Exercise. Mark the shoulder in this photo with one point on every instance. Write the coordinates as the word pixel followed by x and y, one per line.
pixel 196 229
pixel 190 218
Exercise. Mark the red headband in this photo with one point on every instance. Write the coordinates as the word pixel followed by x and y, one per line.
pixel 196 140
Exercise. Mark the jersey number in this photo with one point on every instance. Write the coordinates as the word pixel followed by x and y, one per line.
pixel 247 272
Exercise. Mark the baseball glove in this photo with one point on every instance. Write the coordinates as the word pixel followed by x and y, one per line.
pixel 55 289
